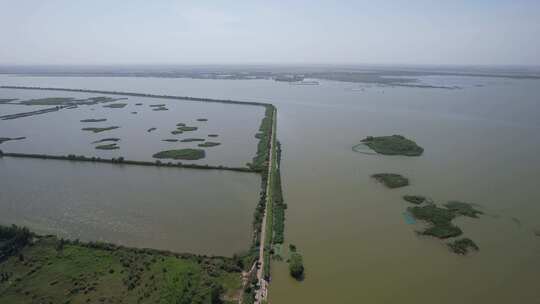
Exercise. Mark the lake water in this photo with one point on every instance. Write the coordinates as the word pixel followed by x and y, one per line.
pixel 59 132
pixel 481 146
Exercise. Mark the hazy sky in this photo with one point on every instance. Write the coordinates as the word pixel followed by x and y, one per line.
pixel 236 31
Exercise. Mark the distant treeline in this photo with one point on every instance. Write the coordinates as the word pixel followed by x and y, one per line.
pixel 142 95
pixel 122 161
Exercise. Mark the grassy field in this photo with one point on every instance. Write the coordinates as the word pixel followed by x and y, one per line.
pixel 54 271
pixel 393 145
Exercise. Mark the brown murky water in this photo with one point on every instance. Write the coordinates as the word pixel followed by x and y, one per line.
pixel 482 146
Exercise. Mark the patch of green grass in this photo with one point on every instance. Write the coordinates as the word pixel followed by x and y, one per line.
pixel 188 154
pixel 415 199
pixel 108 147
pixel 391 180
pixel 94 120
pixel 99 130
pixel 393 145
pixel 463 246
pixel 440 220
pixel 462 208
pixel 180 124
pixel 176 132
pixel 115 105
pixel 58 271
pixel 209 144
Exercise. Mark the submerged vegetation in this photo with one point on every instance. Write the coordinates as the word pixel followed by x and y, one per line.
pixel 209 144
pixel 170 140
pixel 31 113
pixel 186 128
pixel 462 208
pixel 115 105
pixel 393 145
pixel 391 180
pixel 440 220
pixel 202 119
pixel 99 130
pixel 49 101
pixel 94 120
pixel 187 154
pixel 463 246
pixel 213 135
pixel 4 139
pixel 113 146
pixel 192 139
pixel 415 199
pixel 114 139
pixel 151 129
pixel 36 269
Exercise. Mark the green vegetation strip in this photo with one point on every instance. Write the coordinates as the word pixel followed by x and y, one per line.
pixel 260 160
pixel 188 98
pixel 37 269
pixel 99 130
pixel 393 145
pixel 391 180
pixel 122 161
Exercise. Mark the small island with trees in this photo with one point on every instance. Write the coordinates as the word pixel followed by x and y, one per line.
pixel 393 145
